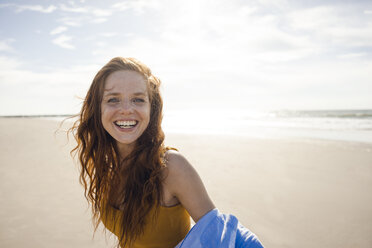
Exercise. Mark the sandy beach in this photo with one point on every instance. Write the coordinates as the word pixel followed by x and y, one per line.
pixel 290 192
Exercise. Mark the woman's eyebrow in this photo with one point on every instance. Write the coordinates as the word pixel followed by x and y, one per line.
pixel 140 94
pixel 117 94
pixel 111 94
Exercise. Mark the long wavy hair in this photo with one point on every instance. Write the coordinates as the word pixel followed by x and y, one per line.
pixel 132 183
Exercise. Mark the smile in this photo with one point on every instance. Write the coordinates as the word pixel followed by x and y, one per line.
pixel 126 124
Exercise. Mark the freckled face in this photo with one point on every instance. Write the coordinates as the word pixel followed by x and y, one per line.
pixel 125 107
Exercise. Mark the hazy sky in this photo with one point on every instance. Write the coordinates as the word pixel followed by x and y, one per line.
pixel 221 54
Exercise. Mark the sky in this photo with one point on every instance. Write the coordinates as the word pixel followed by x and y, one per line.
pixel 223 55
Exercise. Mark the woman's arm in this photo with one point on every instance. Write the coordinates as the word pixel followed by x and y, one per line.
pixel 184 183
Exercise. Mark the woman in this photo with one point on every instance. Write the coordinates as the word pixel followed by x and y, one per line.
pixel 140 190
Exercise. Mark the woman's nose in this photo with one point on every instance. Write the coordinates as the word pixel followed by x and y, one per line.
pixel 126 107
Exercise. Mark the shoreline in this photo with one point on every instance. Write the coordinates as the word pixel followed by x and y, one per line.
pixel 253 132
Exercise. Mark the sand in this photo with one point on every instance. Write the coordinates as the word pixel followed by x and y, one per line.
pixel 290 192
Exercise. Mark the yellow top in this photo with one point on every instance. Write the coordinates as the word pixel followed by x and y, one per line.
pixel 171 226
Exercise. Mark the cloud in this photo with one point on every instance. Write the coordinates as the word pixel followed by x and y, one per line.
pixel 64 42
pixel 58 30
pixel 74 9
pixel 79 16
pixel 65 87
pixel 4 5
pixel 312 18
pixel 5 45
pixel 228 29
pixel 121 6
pixel 138 6
pixel 38 8
pixel 97 12
pixel 352 55
pixel 265 59
pixel 332 25
pixel 101 12
pixel 72 21
pixel 8 64
pixel 99 20
pixel 108 34
pixel 82 15
pixel 81 20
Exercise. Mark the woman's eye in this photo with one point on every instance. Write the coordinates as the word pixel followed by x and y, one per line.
pixel 113 100
pixel 138 100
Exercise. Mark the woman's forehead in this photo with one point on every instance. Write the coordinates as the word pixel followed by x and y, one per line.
pixel 125 81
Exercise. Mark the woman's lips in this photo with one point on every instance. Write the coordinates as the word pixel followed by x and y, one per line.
pixel 126 124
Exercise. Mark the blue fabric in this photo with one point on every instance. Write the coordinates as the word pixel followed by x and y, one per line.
pixel 217 230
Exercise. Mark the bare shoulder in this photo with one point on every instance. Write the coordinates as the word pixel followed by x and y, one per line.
pixel 179 170
pixel 177 165
pixel 184 183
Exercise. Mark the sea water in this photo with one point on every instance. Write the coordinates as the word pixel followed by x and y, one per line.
pixel 347 125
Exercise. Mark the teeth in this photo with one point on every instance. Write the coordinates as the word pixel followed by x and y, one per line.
pixel 125 124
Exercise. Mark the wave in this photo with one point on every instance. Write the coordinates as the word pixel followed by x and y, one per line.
pixel 348 114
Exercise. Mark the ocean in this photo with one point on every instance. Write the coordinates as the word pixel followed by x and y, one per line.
pixel 346 125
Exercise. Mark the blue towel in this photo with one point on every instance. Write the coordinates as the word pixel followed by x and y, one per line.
pixel 217 230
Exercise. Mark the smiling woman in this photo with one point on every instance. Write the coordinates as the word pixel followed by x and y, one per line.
pixel 142 191
pixel 130 177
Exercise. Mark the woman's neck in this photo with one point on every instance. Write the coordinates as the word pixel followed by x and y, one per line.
pixel 125 149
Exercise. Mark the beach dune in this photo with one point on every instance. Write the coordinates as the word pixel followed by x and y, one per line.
pixel 290 192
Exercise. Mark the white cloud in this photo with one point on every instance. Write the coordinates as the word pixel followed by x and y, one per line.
pixel 74 9
pixel 266 60
pixel 121 6
pixel 58 30
pixel 54 92
pixel 227 28
pixel 331 25
pixel 4 5
pixel 72 21
pixel 349 36
pixel 97 12
pixel 99 20
pixel 5 45
pixel 139 6
pixel 352 55
pixel 313 18
pixel 64 42
pixel 101 12
pixel 79 16
pixel 109 34
pixel 101 44
pixel 8 64
pixel 38 8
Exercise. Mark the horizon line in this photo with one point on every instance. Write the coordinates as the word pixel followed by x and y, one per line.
pixel 72 115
